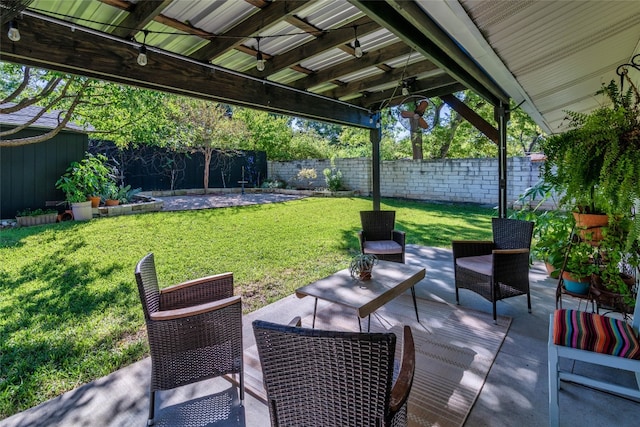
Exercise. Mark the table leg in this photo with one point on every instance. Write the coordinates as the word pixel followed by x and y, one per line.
pixel 369 324
pixel 415 305
pixel 359 324
pixel 315 307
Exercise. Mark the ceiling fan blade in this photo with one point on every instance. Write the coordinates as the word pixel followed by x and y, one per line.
pixel 407 114
pixel 423 124
pixel 422 107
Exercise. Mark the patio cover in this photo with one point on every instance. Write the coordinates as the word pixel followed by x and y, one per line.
pixel 546 56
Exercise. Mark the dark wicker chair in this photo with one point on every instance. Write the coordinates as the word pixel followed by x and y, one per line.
pixel 327 378
pixel 499 269
pixel 194 329
pixel 379 237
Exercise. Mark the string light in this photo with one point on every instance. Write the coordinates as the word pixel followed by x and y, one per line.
pixel 142 55
pixel 405 88
pixel 356 44
pixel 259 59
pixel 14 33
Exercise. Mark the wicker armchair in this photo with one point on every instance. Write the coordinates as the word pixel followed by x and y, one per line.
pixel 379 237
pixel 498 269
pixel 327 378
pixel 194 329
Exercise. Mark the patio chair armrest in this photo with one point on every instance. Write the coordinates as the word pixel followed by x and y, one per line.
pixel 181 313
pixel 399 237
pixel 402 386
pixel 361 239
pixel 465 248
pixel 197 291
pixel 296 321
pixel 510 251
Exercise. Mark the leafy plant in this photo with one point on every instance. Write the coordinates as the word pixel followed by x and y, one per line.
pixel 596 164
pixel 274 183
pixel 85 178
pixel 304 178
pixel 361 266
pixel 35 212
pixel 333 178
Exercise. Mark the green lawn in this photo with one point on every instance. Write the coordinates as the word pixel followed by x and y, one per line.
pixel 70 312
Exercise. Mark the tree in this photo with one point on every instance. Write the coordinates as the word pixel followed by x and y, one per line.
pixel 123 114
pixel 23 87
pixel 208 128
pixel 267 132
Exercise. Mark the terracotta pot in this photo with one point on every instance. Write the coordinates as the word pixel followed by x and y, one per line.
pixel 95 201
pixel 590 226
pixel 111 202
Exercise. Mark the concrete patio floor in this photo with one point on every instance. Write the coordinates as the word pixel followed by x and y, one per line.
pixel 515 392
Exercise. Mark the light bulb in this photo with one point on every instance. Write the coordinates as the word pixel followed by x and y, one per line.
pixel 358 49
pixel 14 33
pixel 260 62
pixel 405 91
pixel 142 56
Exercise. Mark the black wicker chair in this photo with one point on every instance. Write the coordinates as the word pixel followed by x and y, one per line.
pixel 379 237
pixel 194 329
pixel 499 269
pixel 327 378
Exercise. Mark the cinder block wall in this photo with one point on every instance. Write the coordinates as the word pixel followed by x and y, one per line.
pixel 451 180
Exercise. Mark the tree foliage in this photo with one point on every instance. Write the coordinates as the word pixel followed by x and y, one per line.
pixel 208 128
pixel 124 114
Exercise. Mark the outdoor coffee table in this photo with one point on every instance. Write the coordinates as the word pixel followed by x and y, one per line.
pixel 389 279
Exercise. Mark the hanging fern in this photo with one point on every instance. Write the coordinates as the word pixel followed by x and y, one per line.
pixel 596 164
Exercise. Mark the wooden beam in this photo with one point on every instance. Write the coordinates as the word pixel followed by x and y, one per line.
pixel 424 42
pixel 391 97
pixel 369 59
pixel 139 16
pixel 50 44
pixel 472 117
pixel 328 41
pixel 382 78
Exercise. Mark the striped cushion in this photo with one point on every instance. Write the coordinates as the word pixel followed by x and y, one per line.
pixel 594 332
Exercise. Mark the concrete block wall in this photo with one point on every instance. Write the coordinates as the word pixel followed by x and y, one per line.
pixel 451 180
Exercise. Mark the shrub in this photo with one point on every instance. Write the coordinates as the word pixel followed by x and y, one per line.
pixel 333 178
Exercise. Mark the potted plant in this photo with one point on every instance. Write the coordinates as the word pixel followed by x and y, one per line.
pixel 362 265
pixel 596 164
pixel 579 267
pixel 614 282
pixel 82 179
pixel 27 217
pixel 551 234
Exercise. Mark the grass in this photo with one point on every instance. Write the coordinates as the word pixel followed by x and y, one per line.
pixel 70 310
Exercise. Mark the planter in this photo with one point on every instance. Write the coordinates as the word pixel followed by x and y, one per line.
pixel 82 211
pixel 614 301
pixel 95 201
pixel 111 202
pixel 576 285
pixel 590 226
pixel 26 221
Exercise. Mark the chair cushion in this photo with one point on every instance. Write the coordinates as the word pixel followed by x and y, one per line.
pixel 482 264
pixel 382 247
pixel 594 332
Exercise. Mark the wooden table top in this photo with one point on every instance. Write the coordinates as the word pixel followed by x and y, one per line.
pixel 388 280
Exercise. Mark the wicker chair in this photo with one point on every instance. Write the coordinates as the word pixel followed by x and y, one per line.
pixel 327 378
pixel 379 237
pixel 194 329
pixel 498 269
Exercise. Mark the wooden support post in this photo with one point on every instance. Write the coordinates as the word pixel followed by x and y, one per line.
pixel 502 117
pixel 375 135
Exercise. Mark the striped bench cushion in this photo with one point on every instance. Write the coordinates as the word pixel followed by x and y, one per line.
pixel 594 332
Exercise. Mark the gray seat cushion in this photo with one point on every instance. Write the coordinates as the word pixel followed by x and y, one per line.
pixel 382 247
pixel 482 264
